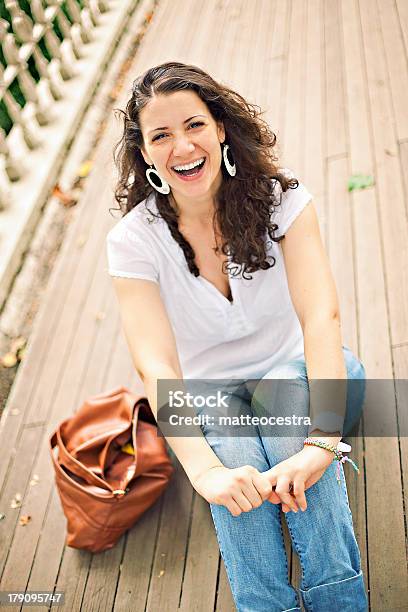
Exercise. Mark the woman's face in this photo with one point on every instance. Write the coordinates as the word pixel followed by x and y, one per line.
pixel 187 133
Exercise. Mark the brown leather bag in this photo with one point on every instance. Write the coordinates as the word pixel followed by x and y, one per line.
pixel 104 490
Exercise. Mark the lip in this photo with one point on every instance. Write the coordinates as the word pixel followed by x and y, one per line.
pixel 191 178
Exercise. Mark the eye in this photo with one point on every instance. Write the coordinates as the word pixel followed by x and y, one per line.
pixel 158 137
pixel 197 123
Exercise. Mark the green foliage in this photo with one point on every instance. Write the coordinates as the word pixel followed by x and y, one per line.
pixel 15 90
pixel 360 181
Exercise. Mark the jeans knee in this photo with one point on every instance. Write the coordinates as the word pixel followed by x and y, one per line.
pixel 236 451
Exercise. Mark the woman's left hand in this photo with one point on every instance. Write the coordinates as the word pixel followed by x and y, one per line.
pixel 303 469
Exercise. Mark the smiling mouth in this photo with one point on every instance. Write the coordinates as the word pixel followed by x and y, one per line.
pixel 193 171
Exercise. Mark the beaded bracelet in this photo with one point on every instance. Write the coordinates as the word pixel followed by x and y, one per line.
pixel 338 455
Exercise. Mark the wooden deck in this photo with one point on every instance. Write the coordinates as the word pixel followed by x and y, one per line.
pixel 332 77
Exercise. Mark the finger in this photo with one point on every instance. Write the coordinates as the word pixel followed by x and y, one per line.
pixel 242 501
pixel 282 489
pixel 262 485
pixel 252 494
pixel 299 493
pixel 285 508
pixel 233 507
pixel 274 498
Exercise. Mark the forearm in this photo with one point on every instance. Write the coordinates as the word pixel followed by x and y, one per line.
pixel 193 451
pixel 327 377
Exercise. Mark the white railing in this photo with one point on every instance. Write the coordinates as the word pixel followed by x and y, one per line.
pixel 55 57
pixel 24 44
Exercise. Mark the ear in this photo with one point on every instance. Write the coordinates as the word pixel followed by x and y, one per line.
pixel 221 132
pixel 145 156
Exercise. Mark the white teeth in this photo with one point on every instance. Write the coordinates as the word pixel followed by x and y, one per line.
pixel 190 166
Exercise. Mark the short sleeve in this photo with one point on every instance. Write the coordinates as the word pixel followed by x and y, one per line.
pixel 130 255
pixel 292 203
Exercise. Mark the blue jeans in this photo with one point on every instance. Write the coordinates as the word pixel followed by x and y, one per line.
pixel 252 544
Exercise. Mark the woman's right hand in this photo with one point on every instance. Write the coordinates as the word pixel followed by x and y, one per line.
pixel 238 489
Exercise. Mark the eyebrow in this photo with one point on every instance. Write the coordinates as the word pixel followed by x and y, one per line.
pixel 186 121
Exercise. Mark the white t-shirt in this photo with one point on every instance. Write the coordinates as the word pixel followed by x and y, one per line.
pixel 215 338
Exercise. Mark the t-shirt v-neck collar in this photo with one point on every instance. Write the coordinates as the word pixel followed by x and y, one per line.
pixel 180 257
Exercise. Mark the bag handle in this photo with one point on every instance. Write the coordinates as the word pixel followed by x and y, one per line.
pixel 83 472
pixel 74 465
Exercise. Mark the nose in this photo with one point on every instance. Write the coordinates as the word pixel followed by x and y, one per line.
pixel 182 146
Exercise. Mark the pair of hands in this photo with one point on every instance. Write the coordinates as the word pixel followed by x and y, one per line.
pixel 245 488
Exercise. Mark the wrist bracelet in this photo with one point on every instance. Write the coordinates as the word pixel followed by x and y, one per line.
pixel 337 452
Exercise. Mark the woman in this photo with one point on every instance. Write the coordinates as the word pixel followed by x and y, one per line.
pixel 220 272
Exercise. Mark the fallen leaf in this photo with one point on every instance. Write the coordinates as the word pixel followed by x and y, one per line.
pixel 85 168
pixel 16 501
pixel 2 516
pixel 82 240
pixel 14 412
pixel 25 519
pixel 100 316
pixel 161 573
pixel 9 360
pixel 35 480
pixel 360 181
pixel 66 198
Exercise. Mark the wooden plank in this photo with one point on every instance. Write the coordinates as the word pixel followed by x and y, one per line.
pixel 195 48
pixel 200 577
pixel 402 10
pixel 387 556
pixel 396 59
pixel 340 222
pixel 387 561
pixel 391 209
pixel 342 263
pixel 18 482
pixel 254 81
pixel 169 560
pixel 315 113
pixel 335 99
pixel 136 565
pixel 340 250
pixel 294 119
pixel 225 602
pixel 400 359
pixel 275 70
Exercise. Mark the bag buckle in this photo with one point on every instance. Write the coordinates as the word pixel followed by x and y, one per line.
pixel 119 492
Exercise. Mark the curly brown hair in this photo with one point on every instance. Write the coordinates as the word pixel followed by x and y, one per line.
pixel 244 203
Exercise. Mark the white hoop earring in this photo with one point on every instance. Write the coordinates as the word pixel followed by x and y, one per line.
pixel 228 161
pixel 151 175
